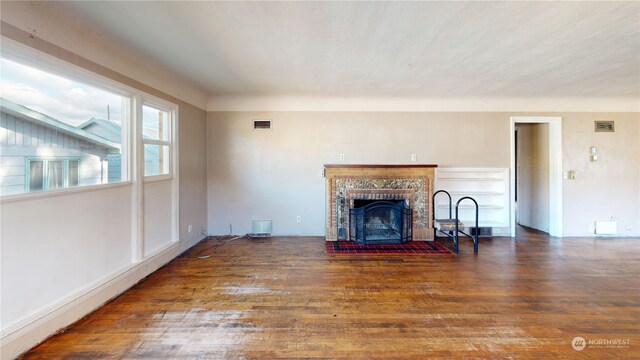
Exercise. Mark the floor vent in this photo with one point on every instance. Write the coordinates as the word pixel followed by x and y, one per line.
pixel 604 126
pixel 482 231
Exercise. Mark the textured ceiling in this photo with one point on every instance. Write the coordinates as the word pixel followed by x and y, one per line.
pixel 384 49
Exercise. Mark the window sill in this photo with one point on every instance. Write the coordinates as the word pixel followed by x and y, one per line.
pixel 61 192
pixel 156 178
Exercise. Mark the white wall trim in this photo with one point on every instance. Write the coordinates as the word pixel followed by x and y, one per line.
pixel 419 104
pixel 555 170
pixel 31 330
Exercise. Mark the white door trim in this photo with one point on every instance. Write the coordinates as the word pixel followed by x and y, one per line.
pixel 555 170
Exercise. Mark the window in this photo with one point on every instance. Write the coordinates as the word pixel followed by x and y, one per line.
pixel 156 139
pixel 36 175
pixel 58 132
pixel 73 172
pixel 57 127
pixel 50 174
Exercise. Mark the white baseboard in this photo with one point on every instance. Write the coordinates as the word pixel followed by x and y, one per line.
pixel 31 331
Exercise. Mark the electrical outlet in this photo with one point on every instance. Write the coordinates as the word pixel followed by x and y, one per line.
pixel 497 231
pixel 590 228
pixel 189 228
pixel 414 157
pixel 342 157
pixel 299 218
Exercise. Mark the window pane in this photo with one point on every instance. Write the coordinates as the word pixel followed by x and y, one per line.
pixel 156 159
pixel 62 118
pixel 164 159
pixel 36 175
pixel 151 160
pixel 155 124
pixel 73 172
pixel 55 175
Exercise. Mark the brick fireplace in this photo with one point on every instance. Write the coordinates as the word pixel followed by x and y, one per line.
pixel 347 183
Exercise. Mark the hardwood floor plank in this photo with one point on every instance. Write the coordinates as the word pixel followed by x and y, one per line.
pixel 284 298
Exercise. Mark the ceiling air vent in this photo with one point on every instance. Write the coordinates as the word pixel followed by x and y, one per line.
pixel 261 124
pixel 604 126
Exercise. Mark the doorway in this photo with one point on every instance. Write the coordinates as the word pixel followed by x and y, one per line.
pixel 532 175
pixel 536 173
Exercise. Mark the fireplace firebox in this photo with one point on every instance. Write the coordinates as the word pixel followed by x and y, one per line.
pixel 380 222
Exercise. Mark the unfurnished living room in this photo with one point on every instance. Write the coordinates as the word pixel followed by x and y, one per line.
pixel 319 179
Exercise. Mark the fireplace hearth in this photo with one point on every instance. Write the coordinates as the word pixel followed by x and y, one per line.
pixel 375 222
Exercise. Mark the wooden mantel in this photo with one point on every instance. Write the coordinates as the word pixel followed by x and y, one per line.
pixel 348 182
pixel 378 166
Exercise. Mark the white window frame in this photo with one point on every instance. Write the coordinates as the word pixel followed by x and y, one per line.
pixel 27 56
pixel 172 110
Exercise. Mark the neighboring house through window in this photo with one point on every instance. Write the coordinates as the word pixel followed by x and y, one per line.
pixel 57 133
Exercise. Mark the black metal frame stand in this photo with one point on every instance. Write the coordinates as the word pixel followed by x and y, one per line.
pixel 454 231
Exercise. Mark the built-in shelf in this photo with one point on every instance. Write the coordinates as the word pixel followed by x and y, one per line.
pixel 488 186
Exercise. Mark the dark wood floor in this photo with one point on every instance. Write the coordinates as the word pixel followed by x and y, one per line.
pixel 285 298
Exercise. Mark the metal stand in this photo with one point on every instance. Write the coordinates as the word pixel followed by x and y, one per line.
pixel 451 227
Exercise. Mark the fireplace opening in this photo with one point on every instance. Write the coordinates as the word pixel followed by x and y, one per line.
pixel 380 222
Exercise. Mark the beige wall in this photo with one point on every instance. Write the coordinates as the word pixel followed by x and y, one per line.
pixel 276 174
pixel 533 176
pixel 193 173
pixel 608 188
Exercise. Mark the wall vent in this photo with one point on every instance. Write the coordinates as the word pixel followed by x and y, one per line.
pixel 604 126
pixel 261 124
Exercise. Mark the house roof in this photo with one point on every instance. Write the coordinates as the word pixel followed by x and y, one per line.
pixel 116 128
pixel 39 118
pixel 110 125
